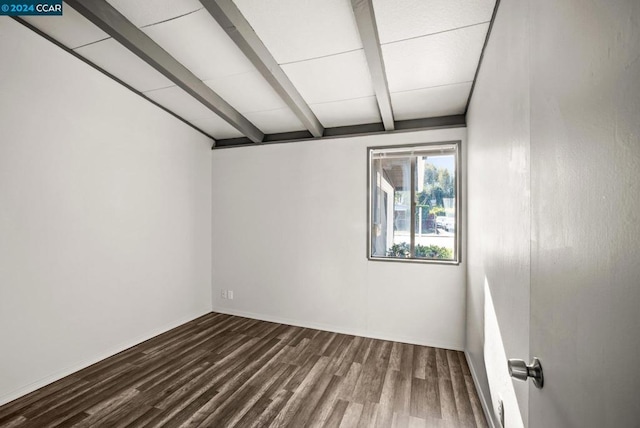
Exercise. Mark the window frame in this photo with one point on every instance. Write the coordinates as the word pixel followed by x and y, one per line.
pixel 457 251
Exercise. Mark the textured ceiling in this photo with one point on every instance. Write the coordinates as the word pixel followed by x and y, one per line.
pixel 295 30
pixel 284 66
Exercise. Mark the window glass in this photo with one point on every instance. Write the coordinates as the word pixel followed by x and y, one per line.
pixel 413 203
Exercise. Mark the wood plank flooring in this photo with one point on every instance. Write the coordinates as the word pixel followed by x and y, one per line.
pixel 225 371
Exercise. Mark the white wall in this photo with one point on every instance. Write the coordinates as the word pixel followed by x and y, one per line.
pixel 499 213
pixel 105 213
pixel 289 238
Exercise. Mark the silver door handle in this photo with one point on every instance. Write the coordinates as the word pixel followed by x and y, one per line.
pixel 518 369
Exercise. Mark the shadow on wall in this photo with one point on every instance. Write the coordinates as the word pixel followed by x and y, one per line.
pixel 495 357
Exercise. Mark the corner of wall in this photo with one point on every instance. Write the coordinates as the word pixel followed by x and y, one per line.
pixel 487 406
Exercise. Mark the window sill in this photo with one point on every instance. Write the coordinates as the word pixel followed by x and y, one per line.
pixel 421 261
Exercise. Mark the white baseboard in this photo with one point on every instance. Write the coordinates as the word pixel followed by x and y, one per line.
pixel 486 407
pixel 87 362
pixel 335 329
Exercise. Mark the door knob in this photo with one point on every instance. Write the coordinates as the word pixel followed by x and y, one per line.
pixel 518 369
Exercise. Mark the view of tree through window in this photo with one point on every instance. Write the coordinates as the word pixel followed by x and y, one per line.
pixel 413 202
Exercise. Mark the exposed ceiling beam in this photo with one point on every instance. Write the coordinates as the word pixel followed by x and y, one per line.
pixel 121 29
pixel 456 121
pixel 227 14
pixel 366 20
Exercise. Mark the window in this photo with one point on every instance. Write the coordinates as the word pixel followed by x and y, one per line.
pixel 414 209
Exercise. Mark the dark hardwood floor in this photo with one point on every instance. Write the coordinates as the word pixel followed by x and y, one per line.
pixel 222 371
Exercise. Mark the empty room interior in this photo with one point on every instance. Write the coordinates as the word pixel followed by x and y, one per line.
pixel 331 213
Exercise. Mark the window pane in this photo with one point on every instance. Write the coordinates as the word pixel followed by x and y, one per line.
pixel 391 207
pixel 436 207
pixel 413 202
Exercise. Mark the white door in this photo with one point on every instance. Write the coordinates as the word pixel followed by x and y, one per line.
pixel 585 199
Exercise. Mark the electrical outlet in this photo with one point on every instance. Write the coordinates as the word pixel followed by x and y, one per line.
pixel 230 294
pixel 501 412
pixel 223 294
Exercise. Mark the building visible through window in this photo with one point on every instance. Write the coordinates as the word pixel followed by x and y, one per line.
pixel 413 203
